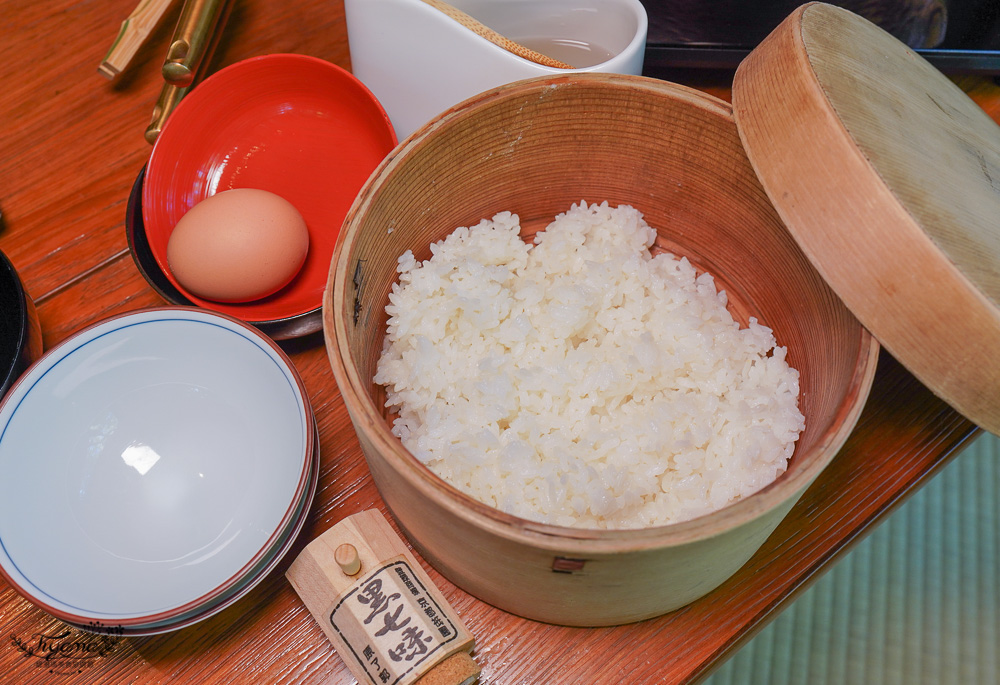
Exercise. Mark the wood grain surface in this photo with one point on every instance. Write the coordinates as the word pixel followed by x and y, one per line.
pixel 72 145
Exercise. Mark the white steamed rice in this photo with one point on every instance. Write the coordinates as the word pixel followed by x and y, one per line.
pixel 581 381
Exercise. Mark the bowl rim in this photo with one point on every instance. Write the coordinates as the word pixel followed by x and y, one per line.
pixel 369 420
pixel 92 618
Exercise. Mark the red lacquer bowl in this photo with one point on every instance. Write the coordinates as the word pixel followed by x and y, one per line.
pixel 294 125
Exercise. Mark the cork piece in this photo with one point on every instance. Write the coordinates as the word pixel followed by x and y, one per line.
pixel 459 668
pixel 382 613
pixel 347 558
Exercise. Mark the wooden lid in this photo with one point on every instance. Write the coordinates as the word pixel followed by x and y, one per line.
pixel 888 176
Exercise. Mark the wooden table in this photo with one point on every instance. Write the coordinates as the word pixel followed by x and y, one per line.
pixel 72 145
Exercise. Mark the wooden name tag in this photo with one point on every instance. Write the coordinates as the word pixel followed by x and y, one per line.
pixel 387 620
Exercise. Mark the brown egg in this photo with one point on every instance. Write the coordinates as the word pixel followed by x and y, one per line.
pixel 238 245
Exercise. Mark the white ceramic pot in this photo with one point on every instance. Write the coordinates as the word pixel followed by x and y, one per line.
pixel 419 62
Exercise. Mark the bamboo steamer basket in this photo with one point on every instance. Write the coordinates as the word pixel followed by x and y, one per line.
pixel 534 147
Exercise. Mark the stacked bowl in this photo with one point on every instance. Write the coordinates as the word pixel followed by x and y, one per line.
pixel 176 458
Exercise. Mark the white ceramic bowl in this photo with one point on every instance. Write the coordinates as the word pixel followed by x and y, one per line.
pixel 151 462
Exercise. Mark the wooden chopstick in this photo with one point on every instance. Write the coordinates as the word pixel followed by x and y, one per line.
pixel 171 93
pixel 481 29
pixel 131 35
pixel 197 26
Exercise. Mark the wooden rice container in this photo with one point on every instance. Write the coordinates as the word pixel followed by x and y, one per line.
pixel 534 148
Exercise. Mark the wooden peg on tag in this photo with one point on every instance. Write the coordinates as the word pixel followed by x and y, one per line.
pixel 390 624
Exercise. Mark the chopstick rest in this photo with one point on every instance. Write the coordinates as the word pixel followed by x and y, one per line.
pixel 374 602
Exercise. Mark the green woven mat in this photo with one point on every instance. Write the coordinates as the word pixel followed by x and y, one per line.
pixel 917 602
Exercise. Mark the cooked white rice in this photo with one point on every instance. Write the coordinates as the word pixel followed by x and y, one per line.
pixel 582 381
